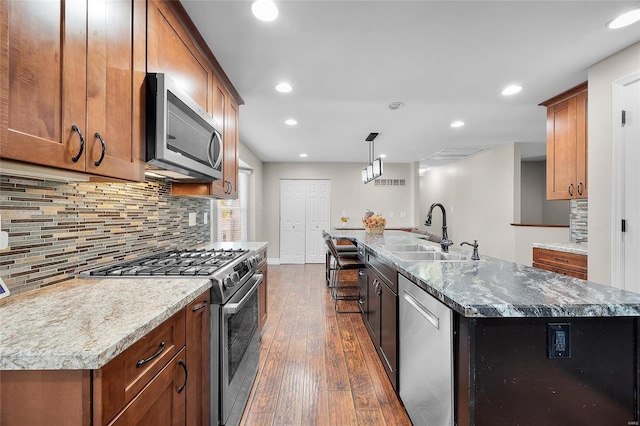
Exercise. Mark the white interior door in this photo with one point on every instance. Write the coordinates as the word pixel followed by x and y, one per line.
pixel 292 221
pixel 317 219
pixel 626 193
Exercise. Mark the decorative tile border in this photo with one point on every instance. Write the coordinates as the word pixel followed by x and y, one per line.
pixel 578 221
pixel 58 229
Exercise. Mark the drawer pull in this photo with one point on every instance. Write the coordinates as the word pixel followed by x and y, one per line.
pixel 184 366
pixel 559 259
pixel 202 306
pixel 142 362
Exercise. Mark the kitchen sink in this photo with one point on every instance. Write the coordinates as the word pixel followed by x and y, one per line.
pixel 429 255
pixel 401 248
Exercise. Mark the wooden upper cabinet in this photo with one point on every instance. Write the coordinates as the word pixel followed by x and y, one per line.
pixel 73 70
pixel 175 47
pixel 170 50
pixel 567 144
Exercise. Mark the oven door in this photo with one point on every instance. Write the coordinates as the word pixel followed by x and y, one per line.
pixel 239 350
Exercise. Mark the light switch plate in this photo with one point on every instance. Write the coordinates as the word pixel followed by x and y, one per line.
pixel 192 219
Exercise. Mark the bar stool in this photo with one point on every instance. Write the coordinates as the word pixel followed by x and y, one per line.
pixel 342 263
pixel 347 251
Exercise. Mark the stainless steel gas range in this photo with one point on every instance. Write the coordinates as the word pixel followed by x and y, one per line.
pixel 234 315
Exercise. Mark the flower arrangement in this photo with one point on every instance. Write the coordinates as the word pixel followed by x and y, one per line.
pixel 373 223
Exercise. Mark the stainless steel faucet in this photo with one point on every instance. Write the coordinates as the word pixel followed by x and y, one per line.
pixel 445 242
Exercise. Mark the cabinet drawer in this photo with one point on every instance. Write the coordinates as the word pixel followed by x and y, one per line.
pixel 384 271
pixel 570 261
pixel 557 270
pixel 125 376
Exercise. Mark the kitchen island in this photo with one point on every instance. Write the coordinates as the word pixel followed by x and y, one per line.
pixel 527 346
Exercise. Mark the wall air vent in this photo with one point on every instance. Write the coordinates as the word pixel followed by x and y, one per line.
pixel 451 155
pixel 389 182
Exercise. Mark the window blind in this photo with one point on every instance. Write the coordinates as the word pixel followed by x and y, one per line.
pixel 233 215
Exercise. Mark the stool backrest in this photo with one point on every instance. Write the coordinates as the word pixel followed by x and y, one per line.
pixel 330 245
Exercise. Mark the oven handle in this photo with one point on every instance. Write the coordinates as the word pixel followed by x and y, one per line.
pixel 232 308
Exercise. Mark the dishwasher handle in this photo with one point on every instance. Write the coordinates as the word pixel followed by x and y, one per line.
pixel 422 310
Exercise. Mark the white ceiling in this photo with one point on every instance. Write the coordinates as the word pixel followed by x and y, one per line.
pixel 446 60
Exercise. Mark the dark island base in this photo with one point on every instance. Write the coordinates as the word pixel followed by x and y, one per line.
pixel 505 377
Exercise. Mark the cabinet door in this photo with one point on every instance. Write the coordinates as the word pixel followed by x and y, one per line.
pixel 198 390
pixel 231 139
pixel 389 333
pixel 561 150
pixel 581 145
pixel 262 295
pixel 373 312
pixel 171 50
pixel 116 45
pixel 43 81
pixel 162 402
pixel 219 187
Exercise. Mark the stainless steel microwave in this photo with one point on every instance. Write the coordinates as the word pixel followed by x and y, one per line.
pixel 183 140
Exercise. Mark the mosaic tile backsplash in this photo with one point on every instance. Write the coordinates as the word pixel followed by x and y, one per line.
pixel 57 230
pixel 578 220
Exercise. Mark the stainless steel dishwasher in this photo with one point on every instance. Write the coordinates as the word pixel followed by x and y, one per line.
pixel 426 356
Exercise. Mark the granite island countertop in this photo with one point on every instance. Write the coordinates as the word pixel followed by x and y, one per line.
pixel 494 288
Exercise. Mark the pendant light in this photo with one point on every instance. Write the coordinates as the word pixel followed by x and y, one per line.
pixel 374 168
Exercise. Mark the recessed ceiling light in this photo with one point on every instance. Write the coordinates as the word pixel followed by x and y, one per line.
pixel 382 155
pixel 264 10
pixel 291 122
pixel 396 105
pixel 303 155
pixel 284 88
pixel 627 18
pixel 511 90
pixel 457 124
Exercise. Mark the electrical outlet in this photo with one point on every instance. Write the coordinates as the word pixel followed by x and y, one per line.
pixel 192 219
pixel 4 238
pixel 403 214
pixel 559 340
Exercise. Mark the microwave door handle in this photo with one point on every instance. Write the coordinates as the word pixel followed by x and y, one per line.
pixel 215 164
pixel 211 162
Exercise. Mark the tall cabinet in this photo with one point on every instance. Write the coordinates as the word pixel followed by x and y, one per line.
pixel 567 144
pixel 71 85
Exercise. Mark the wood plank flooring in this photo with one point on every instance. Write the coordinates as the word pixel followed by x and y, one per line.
pixel 317 367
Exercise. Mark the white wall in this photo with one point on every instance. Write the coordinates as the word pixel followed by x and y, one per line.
pixel 536 209
pixel 601 76
pixel 348 194
pixel 525 236
pixel 482 197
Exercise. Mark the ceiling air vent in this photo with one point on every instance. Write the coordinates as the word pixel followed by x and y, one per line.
pixel 453 154
pixel 389 182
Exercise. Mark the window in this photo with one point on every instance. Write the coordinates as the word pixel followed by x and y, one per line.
pixel 233 215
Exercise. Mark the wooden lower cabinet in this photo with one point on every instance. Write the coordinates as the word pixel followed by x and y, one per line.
pixel 198 392
pixel 570 264
pixel 162 401
pixel 162 379
pixel 262 294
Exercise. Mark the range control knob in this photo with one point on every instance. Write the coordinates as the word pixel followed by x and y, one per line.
pixel 228 281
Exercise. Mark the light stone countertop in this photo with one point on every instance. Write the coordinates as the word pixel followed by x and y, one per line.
pixel 575 248
pixel 85 323
pixel 494 288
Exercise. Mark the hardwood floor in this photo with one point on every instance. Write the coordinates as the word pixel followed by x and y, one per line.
pixel 317 367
